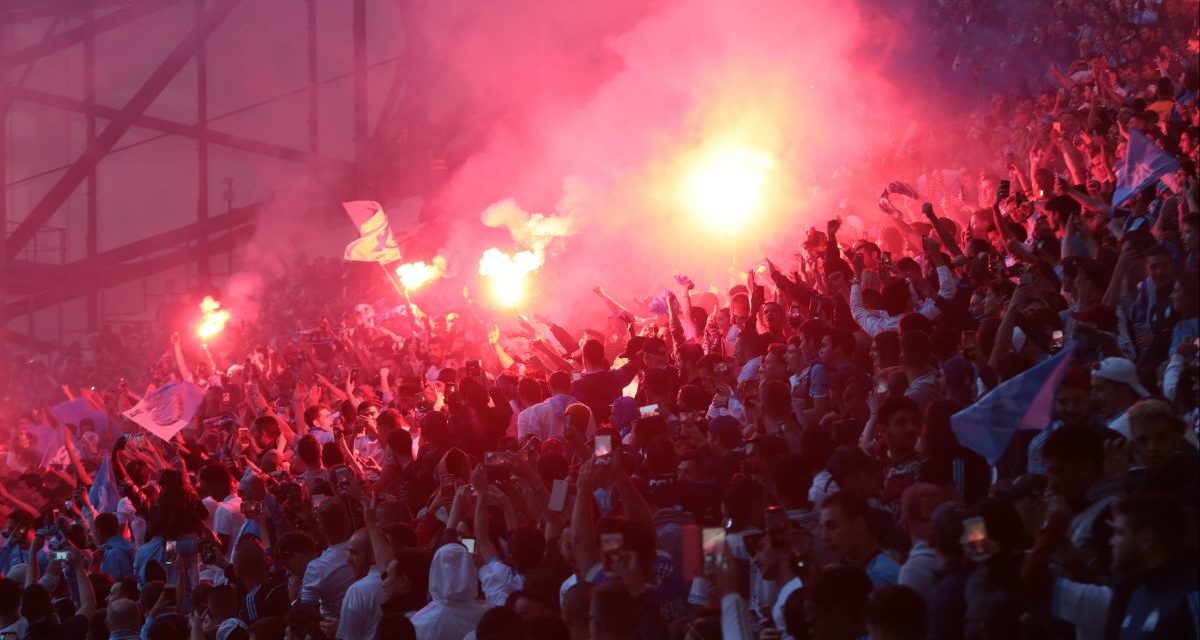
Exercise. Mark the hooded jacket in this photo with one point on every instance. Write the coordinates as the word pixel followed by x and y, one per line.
pixel 454 610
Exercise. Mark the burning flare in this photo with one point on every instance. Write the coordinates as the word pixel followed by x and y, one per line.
pixel 508 273
pixel 214 319
pixel 726 184
pixel 415 274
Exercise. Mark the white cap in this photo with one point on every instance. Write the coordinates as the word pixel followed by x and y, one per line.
pixel 1120 370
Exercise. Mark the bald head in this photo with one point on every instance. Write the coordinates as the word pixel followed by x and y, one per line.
pixel 123 615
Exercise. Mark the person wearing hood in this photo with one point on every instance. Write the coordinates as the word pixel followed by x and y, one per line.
pixel 453 586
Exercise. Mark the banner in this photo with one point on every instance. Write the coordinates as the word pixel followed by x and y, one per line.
pixel 168 409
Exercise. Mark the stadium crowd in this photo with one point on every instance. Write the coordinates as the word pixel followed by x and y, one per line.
pixel 799 456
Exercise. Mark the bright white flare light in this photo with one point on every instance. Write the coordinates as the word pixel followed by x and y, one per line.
pixel 214 319
pixel 508 273
pixel 414 274
pixel 726 185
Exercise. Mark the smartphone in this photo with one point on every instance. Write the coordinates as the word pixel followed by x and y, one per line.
pixel 208 552
pixel 648 410
pixel 473 369
pixel 712 544
pixel 885 259
pixel 497 466
pixel 343 475
pixel 881 388
pixel 1056 341
pixel 575 375
pixel 602 446
pixel 169 553
pixel 558 496
pixel 60 555
pixel 975 534
pixel 612 550
pixel 469 543
pixel 1004 190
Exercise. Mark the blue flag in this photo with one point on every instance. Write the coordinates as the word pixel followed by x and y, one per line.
pixel 1023 402
pixel 104 493
pixel 1143 165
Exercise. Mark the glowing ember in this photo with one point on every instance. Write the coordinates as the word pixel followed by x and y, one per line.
pixel 415 274
pixel 726 185
pixel 214 319
pixel 508 273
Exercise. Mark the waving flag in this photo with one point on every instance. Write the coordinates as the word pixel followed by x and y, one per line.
pixel 167 410
pixel 1143 164
pixel 76 411
pixel 1023 402
pixel 104 493
pixel 375 242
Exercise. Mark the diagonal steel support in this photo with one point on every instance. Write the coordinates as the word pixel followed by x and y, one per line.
pixel 193 131
pixel 75 36
pixel 104 142
pixel 116 274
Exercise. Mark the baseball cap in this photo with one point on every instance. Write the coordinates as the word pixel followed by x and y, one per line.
pixel 916 507
pixel 1120 370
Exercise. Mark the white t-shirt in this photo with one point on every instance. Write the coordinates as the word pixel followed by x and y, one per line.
pixel 781 600
pixel 227 517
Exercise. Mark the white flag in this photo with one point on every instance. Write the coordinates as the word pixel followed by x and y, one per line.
pixel 168 409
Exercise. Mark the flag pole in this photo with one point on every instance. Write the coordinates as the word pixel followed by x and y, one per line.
pixel 395 280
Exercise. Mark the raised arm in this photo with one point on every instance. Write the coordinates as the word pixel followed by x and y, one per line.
pixel 609 301
pixel 483 537
pixel 1003 341
pixel 1087 202
pixel 632 500
pixel 943 234
pixel 583 534
pixel 506 361
pixel 177 347
pixel 556 360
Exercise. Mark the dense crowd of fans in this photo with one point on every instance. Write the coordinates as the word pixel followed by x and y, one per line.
pixel 776 460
